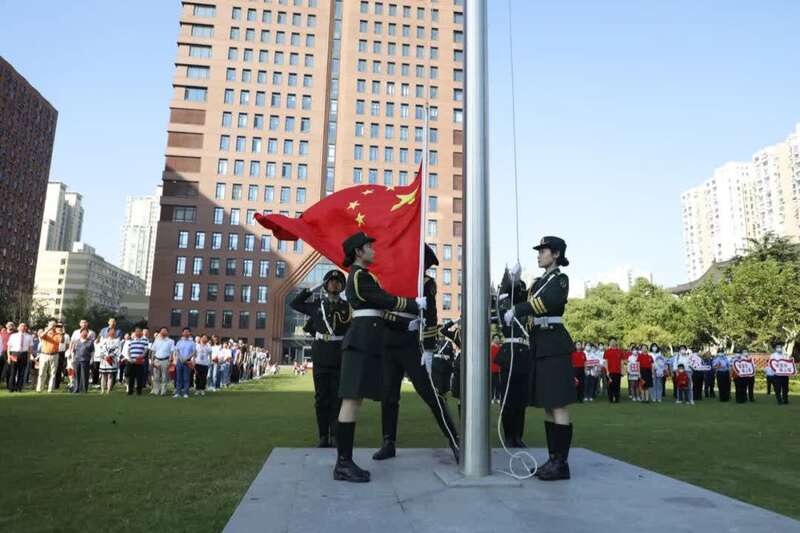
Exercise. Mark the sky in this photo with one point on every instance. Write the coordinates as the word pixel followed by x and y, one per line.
pixel 621 106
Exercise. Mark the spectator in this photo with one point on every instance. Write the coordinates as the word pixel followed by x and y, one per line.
pixel 591 373
pixel 82 352
pixel 579 370
pixel 108 348
pixel 201 360
pixel 19 350
pixel 185 350
pixel 134 353
pixel 646 374
pixel 163 348
pixel 51 340
pixel 633 374
pixel 682 385
pixel 659 373
pixel 123 362
pixel 5 333
pixel 147 355
pixel 614 357
pixel 61 367
pixel 112 325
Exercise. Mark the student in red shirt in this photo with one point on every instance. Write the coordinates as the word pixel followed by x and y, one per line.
pixel 497 394
pixel 578 369
pixel 646 370
pixel 682 385
pixel 614 357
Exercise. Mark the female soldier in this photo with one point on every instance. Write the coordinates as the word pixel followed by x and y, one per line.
pixel 329 319
pixel 362 347
pixel 552 382
pixel 515 382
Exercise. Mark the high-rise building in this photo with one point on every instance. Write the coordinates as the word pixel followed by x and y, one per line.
pixel 138 243
pixel 62 220
pixel 62 275
pixel 276 105
pixel 27 132
pixel 742 201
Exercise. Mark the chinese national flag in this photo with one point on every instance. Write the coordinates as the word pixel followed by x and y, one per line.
pixel 391 215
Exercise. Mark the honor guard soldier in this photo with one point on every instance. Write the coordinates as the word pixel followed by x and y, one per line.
pixel 451 331
pixel 362 347
pixel 442 366
pixel 514 359
pixel 405 355
pixel 329 319
pixel 552 383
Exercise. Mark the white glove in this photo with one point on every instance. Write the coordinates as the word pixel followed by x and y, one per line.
pixel 515 270
pixel 422 302
pixel 343 296
pixel 426 360
pixel 502 297
pixel 508 317
pixel 414 325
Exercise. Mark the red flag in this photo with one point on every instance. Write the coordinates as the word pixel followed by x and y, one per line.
pixel 391 215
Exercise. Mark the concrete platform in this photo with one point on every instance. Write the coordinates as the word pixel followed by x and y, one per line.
pixel 295 493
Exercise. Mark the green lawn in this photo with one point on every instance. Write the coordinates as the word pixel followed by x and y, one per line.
pixel 92 463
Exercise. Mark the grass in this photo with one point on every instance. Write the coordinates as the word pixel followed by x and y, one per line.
pixel 95 463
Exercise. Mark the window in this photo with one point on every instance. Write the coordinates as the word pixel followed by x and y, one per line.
pixel 195 94
pixel 197 266
pixel 184 214
pixel 219 215
pixel 433 204
pixel 194 294
pixel 216 241
pixel 183 239
pixel 196 50
pixel 196 72
pixel 211 319
pixel 261 320
pixel 219 192
pixel 245 294
pixel 230 267
pixel 194 316
pixel 227 319
pixel 447 252
pixel 447 302
pixel 249 244
pixel 201 30
pixel 300 195
pixel 200 240
pixel 280 269
pixel 212 291
pixel 213 266
pixel 177 291
pixel 180 265
pixel 225 142
pixel 244 319
pixel 261 294
pixel 433 228
pixel 263 268
pixel 175 318
pixel 233 241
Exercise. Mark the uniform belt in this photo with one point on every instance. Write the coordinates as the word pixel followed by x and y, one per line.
pixel 544 321
pixel 361 313
pixel 403 315
pixel 328 338
pixel 516 340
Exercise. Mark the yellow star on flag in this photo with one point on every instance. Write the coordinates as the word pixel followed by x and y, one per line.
pixel 353 205
pixel 360 219
pixel 367 192
pixel 405 199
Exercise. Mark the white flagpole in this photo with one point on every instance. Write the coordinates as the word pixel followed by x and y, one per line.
pixel 423 209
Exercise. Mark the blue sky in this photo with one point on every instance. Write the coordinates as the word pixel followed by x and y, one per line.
pixel 621 105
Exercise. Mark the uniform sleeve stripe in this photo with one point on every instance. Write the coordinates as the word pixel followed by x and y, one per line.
pixel 355 285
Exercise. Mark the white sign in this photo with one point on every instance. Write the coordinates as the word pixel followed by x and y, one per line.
pixel 745 368
pixel 783 367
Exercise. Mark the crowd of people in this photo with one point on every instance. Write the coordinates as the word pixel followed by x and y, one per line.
pixel 599 370
pixel 49 358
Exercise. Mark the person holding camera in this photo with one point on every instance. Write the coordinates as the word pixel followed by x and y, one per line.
pixel 50 340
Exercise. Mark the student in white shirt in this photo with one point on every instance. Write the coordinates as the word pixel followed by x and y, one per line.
pixel 202 359
pixel 109 348
pixel 634 375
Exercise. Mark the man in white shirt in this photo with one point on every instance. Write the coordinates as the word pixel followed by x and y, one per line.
pixel 19 349
pixel 163 348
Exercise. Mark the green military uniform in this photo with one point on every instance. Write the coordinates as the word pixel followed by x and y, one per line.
pixel 329 320
pixel 363 344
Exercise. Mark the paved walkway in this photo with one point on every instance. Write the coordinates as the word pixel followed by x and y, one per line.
pixel 295 493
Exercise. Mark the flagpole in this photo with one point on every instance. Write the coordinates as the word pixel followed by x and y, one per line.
pixel 476 460
pixel 423 211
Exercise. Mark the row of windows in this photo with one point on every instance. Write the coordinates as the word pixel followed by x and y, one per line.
pixel 226 322
pixel 243 119
pixel 389 110
pixel 260 99
pixel 265 36
pixel 252 195
pixel 254 167
pixel 281 17
pixel 405 69
pixel 405 89
pixel 246 293
pixel 373 154
pixel 393 11
pixel 388 132
pixel 405 50
pixel 215 267
pixel 278 58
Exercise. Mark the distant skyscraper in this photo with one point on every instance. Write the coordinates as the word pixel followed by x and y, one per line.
pixel 277 104
pixel 62 220
pixel 138 243
pixel 741 201
pixel 27 132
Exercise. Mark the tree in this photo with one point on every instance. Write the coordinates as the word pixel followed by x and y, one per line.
pixel 76 311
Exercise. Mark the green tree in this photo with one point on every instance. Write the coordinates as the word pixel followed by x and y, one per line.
pixel 76 311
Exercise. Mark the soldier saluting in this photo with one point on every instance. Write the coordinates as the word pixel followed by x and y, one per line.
pixel 362 347
pixel 552 379
pixel 329 320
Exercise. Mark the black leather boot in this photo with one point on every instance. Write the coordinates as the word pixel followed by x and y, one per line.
pixel 558 468
pixel 548 432
pixel 387 451
pixel 324 442
pixel 346 469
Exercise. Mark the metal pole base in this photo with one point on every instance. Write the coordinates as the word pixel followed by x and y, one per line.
pixel 452 478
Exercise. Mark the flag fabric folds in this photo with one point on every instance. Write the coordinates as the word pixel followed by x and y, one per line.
pixel 390 214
